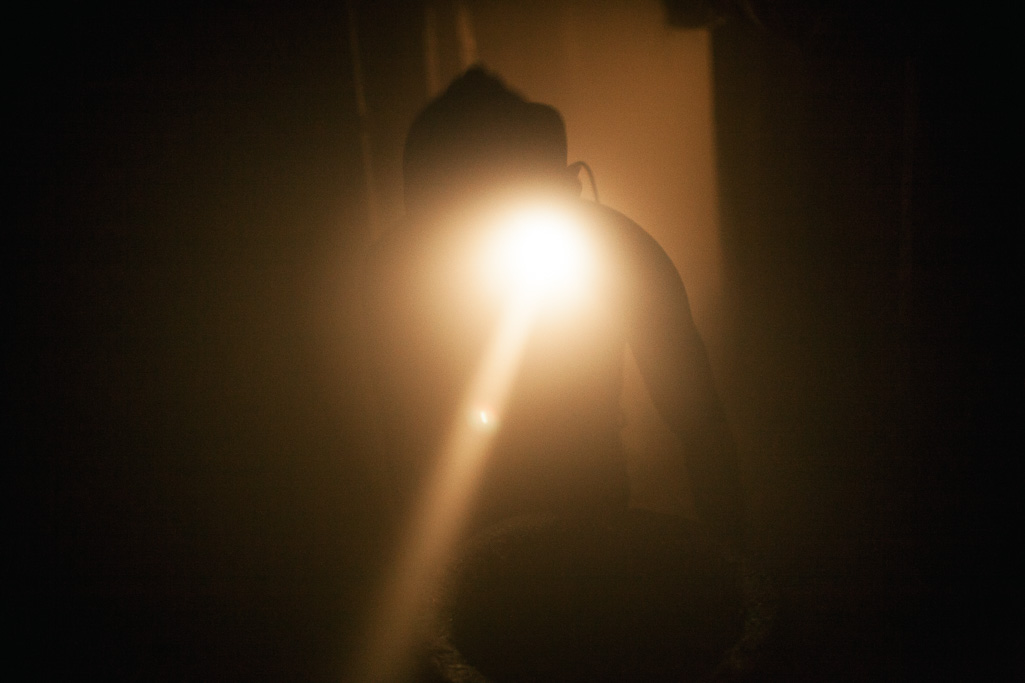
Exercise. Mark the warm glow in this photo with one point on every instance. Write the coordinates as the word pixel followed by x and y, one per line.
pixel 537 255
pixel 639 99
pixel 541 252
pixel 438 522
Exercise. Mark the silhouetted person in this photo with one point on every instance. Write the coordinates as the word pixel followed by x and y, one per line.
pixel 557 446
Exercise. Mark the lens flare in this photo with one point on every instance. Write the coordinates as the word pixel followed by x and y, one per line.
pixel 541 255
pixel 541 252
pixel 396 624
pixel 483 419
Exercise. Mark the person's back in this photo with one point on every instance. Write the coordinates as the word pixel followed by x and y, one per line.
pixel 556 435
pixel 433 313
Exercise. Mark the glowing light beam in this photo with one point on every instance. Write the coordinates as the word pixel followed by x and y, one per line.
pixel 540 256
pixel 397 624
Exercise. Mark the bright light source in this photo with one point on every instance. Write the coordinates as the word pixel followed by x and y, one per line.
pixel 542 253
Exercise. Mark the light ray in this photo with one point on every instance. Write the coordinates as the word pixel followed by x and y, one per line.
pixel 541 259
pixel 441 514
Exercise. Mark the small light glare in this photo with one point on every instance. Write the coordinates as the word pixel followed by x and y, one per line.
pixel 483 419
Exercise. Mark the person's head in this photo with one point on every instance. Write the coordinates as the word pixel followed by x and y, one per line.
pixel 478 139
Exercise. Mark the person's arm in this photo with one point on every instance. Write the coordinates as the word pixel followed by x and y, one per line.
pixel 674 364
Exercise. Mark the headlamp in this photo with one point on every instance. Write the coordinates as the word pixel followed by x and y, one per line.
pixel 540 252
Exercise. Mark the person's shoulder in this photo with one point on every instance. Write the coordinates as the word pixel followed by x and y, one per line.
pixel 621 230
pixel 608 216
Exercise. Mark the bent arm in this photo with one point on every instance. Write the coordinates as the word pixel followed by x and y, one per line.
pixel 674 364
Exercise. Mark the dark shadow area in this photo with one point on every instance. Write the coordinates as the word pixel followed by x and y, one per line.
pixel 865 214
pixel 193 505
pixel 633 596
pixel 196 495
